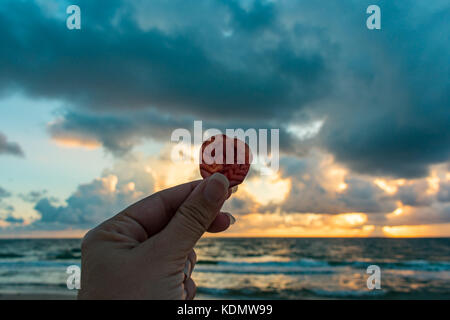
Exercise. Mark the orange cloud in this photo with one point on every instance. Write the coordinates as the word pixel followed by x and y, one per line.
pixel 389 186
pixel 407 231
pixel 77 142
pixel 433 182
pixel 300 225
pixel 401 210
pixel 267 189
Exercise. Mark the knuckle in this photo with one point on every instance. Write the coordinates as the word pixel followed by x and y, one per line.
pixel 196 215
pixel 87 239
pixel 92 237
pixel 194 257
pixel 194 288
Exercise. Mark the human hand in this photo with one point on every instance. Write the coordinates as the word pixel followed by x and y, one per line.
pixel 146 251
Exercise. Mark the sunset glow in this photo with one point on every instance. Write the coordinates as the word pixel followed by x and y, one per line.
pixel 71 142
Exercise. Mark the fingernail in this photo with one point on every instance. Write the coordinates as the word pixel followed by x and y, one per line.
pixel 232 219
pixel 216 188
pixel 187 269
pixel 234 189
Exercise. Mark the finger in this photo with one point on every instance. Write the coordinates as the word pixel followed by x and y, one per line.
pixel 192 258
pixel 222 222
pixel 190 289
pixel 187 269
pixel 154 212
pixel 195 215
pixel 230 192
pixel 190 264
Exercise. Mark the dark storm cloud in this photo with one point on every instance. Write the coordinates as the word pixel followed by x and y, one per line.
pixel 261 15
pixel 116 64
pixel 117 133
pixel 392 116
pixel 444 192
pixel 11 148
pixel 398 146
pixel 384 98
pixel 415 194
pixel 364 196
pixel 119 67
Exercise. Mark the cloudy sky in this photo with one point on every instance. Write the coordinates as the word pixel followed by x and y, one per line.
pixel 86 115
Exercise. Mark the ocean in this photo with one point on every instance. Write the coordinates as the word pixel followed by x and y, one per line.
pixel 261 268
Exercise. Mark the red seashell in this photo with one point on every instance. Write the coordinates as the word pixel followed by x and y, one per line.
pixel 213 158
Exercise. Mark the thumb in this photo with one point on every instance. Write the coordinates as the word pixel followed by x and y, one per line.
pixel 195 214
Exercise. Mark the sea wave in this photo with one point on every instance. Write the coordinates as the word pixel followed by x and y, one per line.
pixel 303 266
pixel 292 263
pixel 304 293
pixel 309 266
pixel 316 293
pixel 10 255
pixel 348 294
pixel 414 265
pixel 64 255
pixel 34 264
